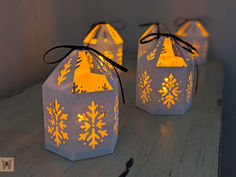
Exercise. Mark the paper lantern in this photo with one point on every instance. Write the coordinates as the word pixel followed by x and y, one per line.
pixel 164 76
pixel 81 107
pixel 194 33
pixel 104 38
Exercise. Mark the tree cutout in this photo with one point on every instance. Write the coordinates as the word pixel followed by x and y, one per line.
pixel 77 90
pixel 64 72
pixel 77 62
pixel 105 87
pixel 151 56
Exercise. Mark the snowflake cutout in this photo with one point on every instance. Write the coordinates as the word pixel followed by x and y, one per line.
pixel 144 85
pixel 56 120
pixel 116 112
pixel 169 91
pixel 93 125
pixel 189 86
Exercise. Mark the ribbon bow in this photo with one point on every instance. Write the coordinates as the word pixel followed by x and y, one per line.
pixel 95 52
pixel 180 42
pixel 159 25
pixel 182 20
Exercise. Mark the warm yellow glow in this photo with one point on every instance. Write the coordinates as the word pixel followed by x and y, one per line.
pixel 169 91
pixel 63 72
pixel 144 85
pixel 89 39
pixel 196 46
pixel 114 34
pixel 167 57
pixel 90 60
pixel 203 31
pixel 189 86
pixel 183 29
pixel 80 117
pixel 86 81
pixel 93 126
pixel 108 54
pixel 151 55
pixel 116 111
pixel 119 55
pixel 104 64
pixel 56 120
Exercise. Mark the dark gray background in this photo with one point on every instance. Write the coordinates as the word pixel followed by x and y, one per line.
pixel 28 28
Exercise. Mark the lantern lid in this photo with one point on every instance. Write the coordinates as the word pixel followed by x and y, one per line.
pixel 101 29
pixel 192 27
pixel 80 73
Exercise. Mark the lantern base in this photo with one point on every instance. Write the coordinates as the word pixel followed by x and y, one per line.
pixel 82 155
pixel 160 111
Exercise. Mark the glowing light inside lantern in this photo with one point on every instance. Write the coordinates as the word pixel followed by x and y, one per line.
pixel 167 57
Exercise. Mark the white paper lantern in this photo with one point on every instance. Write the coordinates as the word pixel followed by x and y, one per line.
pixel 81 107
pixel 164 77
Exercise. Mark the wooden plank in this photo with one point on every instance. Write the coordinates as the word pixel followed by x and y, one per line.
pixel 172 146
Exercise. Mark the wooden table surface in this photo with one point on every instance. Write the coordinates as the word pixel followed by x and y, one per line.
pixel 161 146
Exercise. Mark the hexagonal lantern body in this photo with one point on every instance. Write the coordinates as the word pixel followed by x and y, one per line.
pixel 80 108
pixel 194 33
pixel 164 79
pixel 104 38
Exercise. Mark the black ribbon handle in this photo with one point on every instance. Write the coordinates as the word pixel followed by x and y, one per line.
pixel 128 165
pixel 182 20
pixel 159 25
pixel 180 42
pixel 97 53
